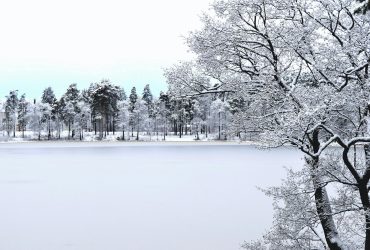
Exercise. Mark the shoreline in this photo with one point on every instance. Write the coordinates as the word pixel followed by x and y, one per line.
pixel 65 143
pixel 215 142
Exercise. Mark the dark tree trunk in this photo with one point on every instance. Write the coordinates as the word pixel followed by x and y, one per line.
pixel 106 125
pixel 69 130
pixel 138 128
pixel 364 195
pixel 180 129
pixel 113 127
pixel 206 129
pixel 49 129
pixel 322 201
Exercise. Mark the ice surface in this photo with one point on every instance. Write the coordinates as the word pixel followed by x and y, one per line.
pixel 96 196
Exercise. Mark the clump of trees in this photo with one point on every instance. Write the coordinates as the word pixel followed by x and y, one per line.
pixel 104 109
pixel 298 72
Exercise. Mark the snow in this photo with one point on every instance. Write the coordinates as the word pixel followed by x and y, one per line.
pixel 92 137
pixel 136 196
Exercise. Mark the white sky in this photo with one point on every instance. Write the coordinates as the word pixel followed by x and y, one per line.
pixel 55 43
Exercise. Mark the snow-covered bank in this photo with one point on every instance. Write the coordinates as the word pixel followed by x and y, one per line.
pixel 90 137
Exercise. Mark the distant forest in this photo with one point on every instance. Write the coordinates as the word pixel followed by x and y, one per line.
pixel 105 108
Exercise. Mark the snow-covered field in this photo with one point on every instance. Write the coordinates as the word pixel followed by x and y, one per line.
pixel 136 196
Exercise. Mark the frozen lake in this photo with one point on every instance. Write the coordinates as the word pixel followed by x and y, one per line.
pixel 98 196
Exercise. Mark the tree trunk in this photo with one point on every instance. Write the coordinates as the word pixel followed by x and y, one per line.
pixel 101 129
pixel 180 128
pixel 113 127
pixel 219 125
pixel 175 127
pixel 138 128
pixel 164 130
pixel 106 125
pixel 69 129
pixel 323 206
pixel 49 129
pixel 364 195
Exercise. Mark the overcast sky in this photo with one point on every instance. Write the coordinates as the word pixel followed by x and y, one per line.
pixel 56 43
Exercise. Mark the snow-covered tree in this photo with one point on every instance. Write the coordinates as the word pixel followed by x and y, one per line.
pixel 219 114
pixel 140 116
pixel 11 106
pixel 104 98
pixel 22 113
pixel 82 119
pixel 36 114
pixel 164 112
pixel 197 120
pixel 122 95
pixel 147 97
pixel 70 107
pixel 133 99
pixel 48 97
pixel 304 67
pixel 123 117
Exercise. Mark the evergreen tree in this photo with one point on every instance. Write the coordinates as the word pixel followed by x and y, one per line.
pixel 48 97
pixel 22 113
pixel 59 115
pixel 133 99
pixel 72 94
pixel 164 111
pixel 70 107
pixel 122 94
pixel 148 99
pixel 104 100
pixel 11 106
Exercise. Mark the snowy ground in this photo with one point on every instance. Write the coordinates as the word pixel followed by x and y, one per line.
pixel 136 196
pixel 92 137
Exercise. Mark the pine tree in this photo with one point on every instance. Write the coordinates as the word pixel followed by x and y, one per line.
pixel 48 97
pixel 22 113
pixel 133 99
pixel 104 100
pixel 72 94
pixel 148 99
pixel 122 94
pixel 11 106
pixel 70 107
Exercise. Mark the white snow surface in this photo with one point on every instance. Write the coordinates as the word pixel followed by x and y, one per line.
pixel 136 196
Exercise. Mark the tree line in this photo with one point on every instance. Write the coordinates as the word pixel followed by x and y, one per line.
pixel 104 108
